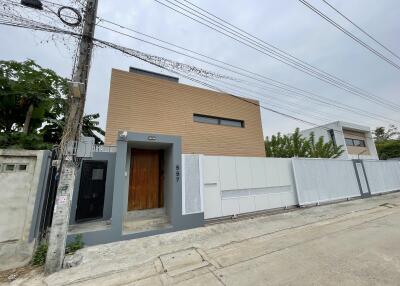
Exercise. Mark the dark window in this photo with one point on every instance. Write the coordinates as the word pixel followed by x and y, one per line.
pixel 218 120
pixel 331 134
pixel 10 167
pixel 355 142
pixel 22 167
pixel 359 143
pixel 349 142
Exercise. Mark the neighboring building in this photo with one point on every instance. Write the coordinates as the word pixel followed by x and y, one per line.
pixel 208 122
pixel 356 139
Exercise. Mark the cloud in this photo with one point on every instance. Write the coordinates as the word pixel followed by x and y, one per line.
pixel 286 24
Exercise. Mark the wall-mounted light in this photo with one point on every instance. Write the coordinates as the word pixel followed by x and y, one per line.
pixel 151 138
pixel 35 4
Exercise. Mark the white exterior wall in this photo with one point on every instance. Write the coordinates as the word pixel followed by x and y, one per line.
pixel 339 137
pixel 383 176
pixel 324 180
pixel 224 186
pixel 192 187
pixel 236 185
pixel 18 193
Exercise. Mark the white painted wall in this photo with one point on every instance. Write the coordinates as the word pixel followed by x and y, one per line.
pixel 18 190
pixel 324 180
pixel 224 186
pixel 236 185
pixel 339 137
pixel 383 176
pixel 192 193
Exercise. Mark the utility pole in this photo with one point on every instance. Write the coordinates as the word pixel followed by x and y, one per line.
pixel 71 132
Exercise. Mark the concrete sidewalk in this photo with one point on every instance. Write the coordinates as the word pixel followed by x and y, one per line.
pixel 350 243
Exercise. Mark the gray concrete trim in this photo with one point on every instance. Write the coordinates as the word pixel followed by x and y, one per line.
pixel 295 184
pixel 108 235
pixel 366 177
pixel 363 195
pixel 38 207
pixel 120 191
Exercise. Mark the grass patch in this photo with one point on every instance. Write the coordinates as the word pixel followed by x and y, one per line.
pixel 39 258
pixel 75 245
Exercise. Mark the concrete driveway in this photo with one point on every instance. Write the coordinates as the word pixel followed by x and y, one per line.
pixel 349 243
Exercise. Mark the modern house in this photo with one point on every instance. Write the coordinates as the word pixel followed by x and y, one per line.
pixel 136 187
pixel 208 122
pixel 356 139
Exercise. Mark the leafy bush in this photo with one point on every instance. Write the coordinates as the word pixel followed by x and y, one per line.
pixel 39 258
pixel 388 149
pixel 18 140
pixel 75 245
pixel 295 145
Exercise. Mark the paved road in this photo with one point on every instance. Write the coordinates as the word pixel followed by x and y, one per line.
pixel 350 243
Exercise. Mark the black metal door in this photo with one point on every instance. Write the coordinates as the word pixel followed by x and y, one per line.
pixel 91 190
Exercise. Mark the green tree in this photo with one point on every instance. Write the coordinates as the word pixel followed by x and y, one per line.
pixel 27 93
pixel 295 145
pixel 52 131
pixel 387 142
pixel 33 105
pixel 320 149
pixel 381 134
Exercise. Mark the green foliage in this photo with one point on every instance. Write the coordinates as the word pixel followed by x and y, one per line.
pixel 294 145
pixel 388 149
pixel 18 140
pixel 387 142
pixel 52 132
pixel 26 86
pixel 39 258
pixel 381 134
pixel 75 245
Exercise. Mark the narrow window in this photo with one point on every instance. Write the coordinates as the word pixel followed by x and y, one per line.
pixel 331 134
pixel 205 119
pixel 218 120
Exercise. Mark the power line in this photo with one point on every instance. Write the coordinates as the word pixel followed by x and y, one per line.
pixel 308 95
pixel 302 66
pixel 348 33
pixel 349 88
pixel 70 33
pixel 362 30
pixel 133 53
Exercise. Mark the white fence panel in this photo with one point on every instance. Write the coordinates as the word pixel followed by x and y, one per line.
pixel 235 185
pixel 383 176
pixel 323 180
pixel 192 200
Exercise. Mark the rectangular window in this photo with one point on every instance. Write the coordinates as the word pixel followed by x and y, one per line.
pixel 349 142
pixel 359 143
pixel 218 120
pixel 9 167
pixel 355 142
pixel 22 167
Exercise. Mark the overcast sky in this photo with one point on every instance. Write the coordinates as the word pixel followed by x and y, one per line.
pixel 287 24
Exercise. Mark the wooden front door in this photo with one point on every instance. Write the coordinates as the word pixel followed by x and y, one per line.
pixel 145 190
